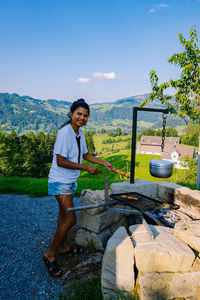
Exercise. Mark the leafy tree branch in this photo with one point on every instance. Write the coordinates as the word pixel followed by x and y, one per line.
pixel 185 103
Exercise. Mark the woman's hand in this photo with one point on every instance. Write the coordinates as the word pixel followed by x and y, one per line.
pixel 92 170
pixel 109 166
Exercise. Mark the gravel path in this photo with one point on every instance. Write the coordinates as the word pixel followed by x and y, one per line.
pixel 26 229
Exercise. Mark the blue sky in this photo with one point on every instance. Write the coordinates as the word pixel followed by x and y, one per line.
pixel 99 50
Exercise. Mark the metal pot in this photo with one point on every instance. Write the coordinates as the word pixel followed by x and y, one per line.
pixel 160 168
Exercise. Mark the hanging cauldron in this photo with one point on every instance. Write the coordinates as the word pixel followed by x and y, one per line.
pixel 160 168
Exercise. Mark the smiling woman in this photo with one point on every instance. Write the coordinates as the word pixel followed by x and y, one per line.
pixel 70 147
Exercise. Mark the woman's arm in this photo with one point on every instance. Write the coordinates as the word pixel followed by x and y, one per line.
pixel 65 163
pixel 89 157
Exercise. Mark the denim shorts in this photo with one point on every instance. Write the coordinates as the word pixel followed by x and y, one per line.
pixel 59 188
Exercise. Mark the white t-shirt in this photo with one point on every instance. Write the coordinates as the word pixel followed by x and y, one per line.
pixel 66 145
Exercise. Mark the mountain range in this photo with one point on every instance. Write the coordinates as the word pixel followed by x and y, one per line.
pixel 24 113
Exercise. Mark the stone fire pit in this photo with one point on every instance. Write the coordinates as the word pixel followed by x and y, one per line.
pixel 167 267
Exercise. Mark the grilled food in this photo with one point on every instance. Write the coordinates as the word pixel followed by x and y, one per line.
pixel 128 197
pixel 122 173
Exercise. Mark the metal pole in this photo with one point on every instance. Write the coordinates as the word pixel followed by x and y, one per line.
pixel 198 168
pixel 134 134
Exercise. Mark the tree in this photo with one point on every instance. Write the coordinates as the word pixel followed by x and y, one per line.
pixel 186 101
pixel 191 135
pixel 118 131
pixel 89 142
pixel 190 171
pixel 102 131
pixel 24 155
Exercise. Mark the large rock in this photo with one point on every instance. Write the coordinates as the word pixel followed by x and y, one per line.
pixel 118 265
pixel 189 232
pixel 166 190
pixel 90 239
pixel 90 197
pixel 165 253
pixel 189 201
pixel 97 223
pixel 165 286
pixel 144 187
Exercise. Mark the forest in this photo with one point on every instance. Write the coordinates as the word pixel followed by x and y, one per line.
pixel 29 155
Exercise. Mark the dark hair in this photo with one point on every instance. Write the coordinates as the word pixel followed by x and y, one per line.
pixel 76 104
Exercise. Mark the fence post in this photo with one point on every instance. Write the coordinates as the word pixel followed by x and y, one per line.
pixel 198 168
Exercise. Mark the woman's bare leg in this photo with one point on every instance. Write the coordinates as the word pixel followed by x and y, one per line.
pixel 65 221
pixel 59 221
pixel 64 245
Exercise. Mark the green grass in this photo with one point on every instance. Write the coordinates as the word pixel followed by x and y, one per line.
pixel 92 291
pixel 85 291
pixel 34 187
pixel 106 148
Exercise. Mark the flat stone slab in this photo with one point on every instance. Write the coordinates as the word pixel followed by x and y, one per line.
pixel 143 186
pixel 166 253
pixel 189 201
pixel 189 233
pixel 164 286
pixel 118 264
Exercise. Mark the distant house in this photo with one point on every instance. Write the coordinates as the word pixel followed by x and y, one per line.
pixel 152 144
pixel 177 153
pixel 172 150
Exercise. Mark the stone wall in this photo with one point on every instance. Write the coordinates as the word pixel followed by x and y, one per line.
pixel 161 269
pixel 167 267
pixel 98 224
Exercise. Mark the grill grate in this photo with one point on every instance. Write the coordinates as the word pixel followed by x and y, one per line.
pixel 144 203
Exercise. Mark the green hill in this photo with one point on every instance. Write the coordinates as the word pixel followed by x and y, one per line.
pixel 24 113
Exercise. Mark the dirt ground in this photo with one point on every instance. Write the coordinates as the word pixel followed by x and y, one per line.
pixel 80 268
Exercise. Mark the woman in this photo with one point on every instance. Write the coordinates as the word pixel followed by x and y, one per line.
pixel 69 148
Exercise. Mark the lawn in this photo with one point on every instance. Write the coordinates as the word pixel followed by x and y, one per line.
pixel 110 147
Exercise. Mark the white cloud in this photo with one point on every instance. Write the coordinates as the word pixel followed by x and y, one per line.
pixel 158 6
pixel 161 5
pixel 83 80
pixel 107 76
